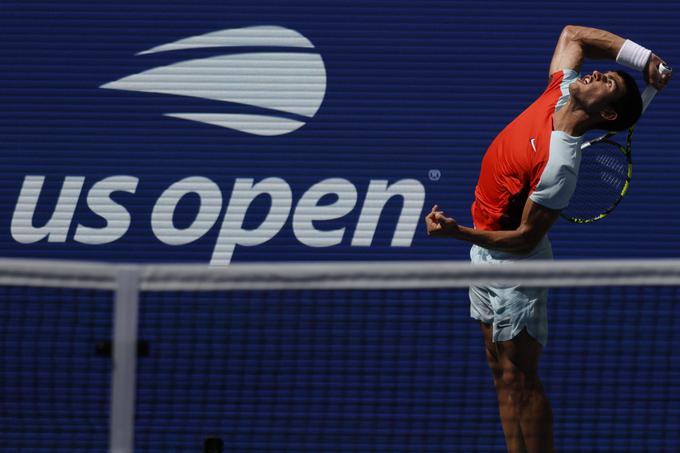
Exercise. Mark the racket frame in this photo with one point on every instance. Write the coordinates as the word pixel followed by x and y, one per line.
pixel 626 150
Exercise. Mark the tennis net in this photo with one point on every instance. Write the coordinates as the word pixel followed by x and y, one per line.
pixel 325 357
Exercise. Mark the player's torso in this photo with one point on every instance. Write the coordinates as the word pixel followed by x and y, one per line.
pixel 512 167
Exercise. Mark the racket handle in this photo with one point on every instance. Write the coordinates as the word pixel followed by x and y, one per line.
pixel 650 91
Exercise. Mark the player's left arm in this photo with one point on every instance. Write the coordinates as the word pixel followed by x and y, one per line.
pixel 536 221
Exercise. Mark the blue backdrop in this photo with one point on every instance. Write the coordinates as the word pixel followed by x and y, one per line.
pixel 412 92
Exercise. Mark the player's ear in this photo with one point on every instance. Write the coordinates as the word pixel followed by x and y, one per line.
pixel 609 114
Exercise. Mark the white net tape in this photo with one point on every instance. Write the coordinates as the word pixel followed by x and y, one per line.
pixel 340 275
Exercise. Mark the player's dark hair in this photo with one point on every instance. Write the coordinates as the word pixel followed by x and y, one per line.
pixel 627 107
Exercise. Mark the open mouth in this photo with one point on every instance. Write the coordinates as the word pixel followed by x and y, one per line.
pixel 586 79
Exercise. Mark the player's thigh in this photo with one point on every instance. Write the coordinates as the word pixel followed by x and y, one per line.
pixel 490 348
pixel 520 354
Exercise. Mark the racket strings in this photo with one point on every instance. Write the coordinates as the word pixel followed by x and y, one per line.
pixel 603 174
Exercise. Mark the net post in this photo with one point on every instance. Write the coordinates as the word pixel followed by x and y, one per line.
pixel 123 379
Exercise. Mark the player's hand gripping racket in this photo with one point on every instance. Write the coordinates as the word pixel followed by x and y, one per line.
pixel 605 172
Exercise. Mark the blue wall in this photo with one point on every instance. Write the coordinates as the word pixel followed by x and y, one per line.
pixel 410 87
pixel 414 92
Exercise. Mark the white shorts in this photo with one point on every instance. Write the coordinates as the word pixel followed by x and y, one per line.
pixel 510 309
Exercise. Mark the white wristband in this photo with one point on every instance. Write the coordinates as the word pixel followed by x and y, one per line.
pixel 633 55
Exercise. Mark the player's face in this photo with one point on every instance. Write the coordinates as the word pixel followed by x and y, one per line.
pixel 598 90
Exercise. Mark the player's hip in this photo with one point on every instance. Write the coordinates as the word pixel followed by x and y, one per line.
pixel 481 255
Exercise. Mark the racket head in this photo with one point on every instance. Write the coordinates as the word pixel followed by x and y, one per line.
pixel 604 177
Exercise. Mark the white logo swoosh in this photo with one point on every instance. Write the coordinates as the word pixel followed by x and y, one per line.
pixel 263 35
pixel 252 124
pixel 288 82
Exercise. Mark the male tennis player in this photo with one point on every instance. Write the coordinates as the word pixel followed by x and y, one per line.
pixel 527 177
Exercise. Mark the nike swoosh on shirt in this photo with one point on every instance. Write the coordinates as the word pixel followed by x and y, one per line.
pixel 533 143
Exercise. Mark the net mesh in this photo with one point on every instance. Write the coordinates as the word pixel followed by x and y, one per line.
pixel 54 387
pixel 325 360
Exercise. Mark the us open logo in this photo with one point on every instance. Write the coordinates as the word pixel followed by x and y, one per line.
pixel 289 87
pixel 272 92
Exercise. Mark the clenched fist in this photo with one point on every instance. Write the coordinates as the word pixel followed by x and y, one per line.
pixel 438 225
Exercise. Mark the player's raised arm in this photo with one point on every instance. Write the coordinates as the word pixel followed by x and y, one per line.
pixel 576 43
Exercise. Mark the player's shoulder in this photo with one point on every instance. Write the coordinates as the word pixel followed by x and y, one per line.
pixel 561 141
pixel 564 154
pixel 557 91
pixel 556 149
pixel 561 77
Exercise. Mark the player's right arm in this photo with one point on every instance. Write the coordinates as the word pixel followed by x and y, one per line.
pixel 576 43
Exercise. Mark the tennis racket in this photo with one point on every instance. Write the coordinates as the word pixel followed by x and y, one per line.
pixel 605 172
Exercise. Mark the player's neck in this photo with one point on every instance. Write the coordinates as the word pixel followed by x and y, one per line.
pixel 572 119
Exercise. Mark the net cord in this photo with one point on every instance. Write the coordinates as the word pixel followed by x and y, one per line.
pixel 341 275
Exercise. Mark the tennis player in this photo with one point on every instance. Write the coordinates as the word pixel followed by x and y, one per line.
pixel 527 177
